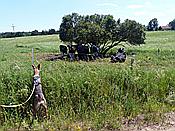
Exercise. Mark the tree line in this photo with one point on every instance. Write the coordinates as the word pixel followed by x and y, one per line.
pixel 32 33
pixel 153 25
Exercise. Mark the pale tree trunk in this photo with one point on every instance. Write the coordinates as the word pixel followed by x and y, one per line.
pixel 107 48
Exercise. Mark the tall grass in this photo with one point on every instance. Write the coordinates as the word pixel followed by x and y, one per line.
pixel 93 95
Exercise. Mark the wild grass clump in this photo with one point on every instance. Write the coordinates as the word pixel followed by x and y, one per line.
pixel 99 94
pixel 87 95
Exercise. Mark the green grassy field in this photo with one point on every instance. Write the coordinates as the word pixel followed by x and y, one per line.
pixel 88 95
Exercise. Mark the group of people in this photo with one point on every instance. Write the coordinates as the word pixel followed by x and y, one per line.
pixel 120 56
pixel 88 52
pixel 79 52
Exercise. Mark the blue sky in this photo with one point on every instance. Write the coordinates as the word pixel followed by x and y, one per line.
pixel 28 15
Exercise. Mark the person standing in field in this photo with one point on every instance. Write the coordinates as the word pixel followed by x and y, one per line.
pixel 71 52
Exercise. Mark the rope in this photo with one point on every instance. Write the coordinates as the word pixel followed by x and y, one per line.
pixel 9 106
pixel 12 106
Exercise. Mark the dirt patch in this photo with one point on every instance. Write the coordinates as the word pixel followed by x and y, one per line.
pixel 50 57
pixel 138 124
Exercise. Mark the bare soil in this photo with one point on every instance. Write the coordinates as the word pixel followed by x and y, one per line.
pixel 168 124
pixel 50 57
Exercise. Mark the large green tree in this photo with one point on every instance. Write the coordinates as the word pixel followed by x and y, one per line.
pixel 129 31
pixel 67 31
pixel 172 24
pixel 102 30
pixel 153 25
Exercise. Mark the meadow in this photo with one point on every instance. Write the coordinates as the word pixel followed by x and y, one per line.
pixel 88 95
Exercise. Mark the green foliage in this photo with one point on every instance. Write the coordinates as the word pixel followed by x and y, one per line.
pixel 94 95
pixel 23 34
pixel 153 25
pixel 133 32
pixel 128 31
pixel 101 30
pixel 172 24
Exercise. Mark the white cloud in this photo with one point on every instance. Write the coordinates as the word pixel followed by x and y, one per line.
pixel 146 4
pixel 135 6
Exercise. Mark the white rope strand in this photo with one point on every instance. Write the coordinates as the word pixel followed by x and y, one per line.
pixel 9 106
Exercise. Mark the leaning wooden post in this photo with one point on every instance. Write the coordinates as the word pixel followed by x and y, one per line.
pixel 132 61
pixel 158 52
pixel 32 57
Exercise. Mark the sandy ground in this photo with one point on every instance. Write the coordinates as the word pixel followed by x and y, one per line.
pixel 167 125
